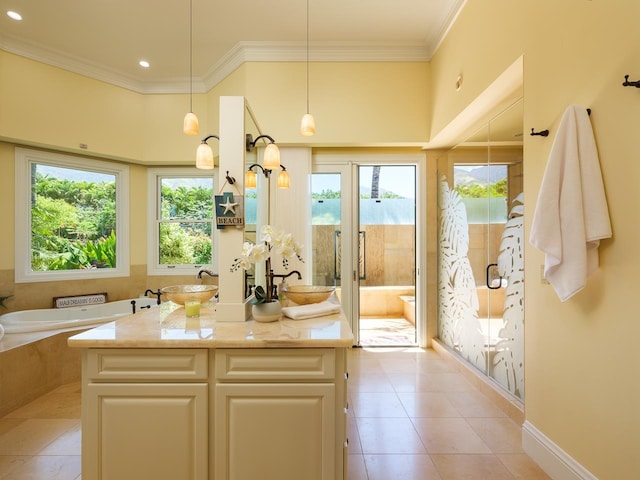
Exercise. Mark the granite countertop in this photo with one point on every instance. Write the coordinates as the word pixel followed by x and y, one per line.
pixel 167 326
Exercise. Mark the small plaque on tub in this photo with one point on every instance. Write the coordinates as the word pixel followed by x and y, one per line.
pixel 79 300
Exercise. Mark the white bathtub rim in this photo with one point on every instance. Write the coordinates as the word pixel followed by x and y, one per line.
pixel 13 323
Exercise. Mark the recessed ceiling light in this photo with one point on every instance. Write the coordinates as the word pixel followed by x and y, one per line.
pixel 14 15
pixel 144 64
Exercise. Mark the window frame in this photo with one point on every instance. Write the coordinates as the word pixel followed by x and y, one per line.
pixel 154 181
pixel 24 158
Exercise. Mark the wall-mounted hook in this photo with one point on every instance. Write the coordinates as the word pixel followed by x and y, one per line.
pixel 229 179
pixel 627 83
pixel 543 133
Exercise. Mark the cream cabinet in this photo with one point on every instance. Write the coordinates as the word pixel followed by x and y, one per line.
pixel 145 414
pixel 279 414
pixel 214 414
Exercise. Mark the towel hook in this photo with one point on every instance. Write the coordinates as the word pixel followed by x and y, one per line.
pixel 543 133
pixel 627 83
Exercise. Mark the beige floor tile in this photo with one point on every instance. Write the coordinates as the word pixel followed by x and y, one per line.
pixel 9 463
pixel 502 435
pixel 427 404
pixel 470 467
pixel 388 435
pixel 69 443
pixel 522 467
pixel 474 404
pixel 401 467
pixel 33 435
pixel 357 363
pixel 372 404
pixel 369 382
pixel 449 435
pixel 356 468
pixel 430 382
pixel 46 467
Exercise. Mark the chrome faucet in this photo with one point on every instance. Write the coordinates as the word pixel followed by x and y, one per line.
pixel 204 270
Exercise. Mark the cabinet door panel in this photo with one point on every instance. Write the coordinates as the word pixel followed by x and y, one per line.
pixel 275 431
pixel 145 431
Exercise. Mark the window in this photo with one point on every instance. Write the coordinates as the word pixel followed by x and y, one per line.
pixel 72 217
pixel 181 221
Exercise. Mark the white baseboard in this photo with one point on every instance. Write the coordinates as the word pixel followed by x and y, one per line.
pixel 551 458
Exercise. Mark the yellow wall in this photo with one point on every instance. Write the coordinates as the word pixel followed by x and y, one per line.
pixel 354 104
pixel 581 370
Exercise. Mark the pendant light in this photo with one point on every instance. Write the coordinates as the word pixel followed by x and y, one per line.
pixel 190 125
pixel 308 124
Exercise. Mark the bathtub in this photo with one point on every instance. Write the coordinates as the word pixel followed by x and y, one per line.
pixel 40 320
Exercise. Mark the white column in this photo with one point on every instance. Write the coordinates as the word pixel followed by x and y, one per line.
pixel 231 305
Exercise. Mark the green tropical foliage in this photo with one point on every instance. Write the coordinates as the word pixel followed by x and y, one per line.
pixel 72 224
pixel 187 242
pixel 476 190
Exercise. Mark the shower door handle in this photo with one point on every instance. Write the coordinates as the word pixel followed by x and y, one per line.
pixel 489 279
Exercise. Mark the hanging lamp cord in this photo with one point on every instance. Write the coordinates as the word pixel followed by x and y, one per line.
pixel 307 56
pixel 191 56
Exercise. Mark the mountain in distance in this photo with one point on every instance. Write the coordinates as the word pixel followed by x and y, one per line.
pixel 481 175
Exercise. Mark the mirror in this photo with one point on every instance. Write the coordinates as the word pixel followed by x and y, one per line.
pixel 253 197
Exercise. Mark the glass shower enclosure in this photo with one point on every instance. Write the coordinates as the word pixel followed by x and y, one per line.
pixel 481 250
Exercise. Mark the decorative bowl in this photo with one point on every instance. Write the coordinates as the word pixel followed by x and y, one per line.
pixel 182 293
pixel 306 294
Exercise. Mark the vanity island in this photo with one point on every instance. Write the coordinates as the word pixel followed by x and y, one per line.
pixel 170 397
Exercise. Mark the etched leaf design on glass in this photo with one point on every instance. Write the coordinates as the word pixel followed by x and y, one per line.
pixel 458 323
pixel 508 363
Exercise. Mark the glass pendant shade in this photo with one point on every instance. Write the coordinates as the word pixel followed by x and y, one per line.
pixel 204 157
pixel 283 179
pixel 250 179
pixel 190 126
pixel 308 125
pixel 271 158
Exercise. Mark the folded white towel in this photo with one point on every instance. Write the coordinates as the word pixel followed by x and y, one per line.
pixel 300 312
pixel 571 215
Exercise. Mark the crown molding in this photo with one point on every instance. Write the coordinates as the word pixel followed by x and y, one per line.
pixel 244 52
pixel 241 53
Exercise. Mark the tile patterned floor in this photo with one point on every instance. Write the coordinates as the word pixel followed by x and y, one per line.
pixel 41 441
pixel 412 416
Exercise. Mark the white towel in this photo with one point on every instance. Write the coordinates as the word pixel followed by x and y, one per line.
pixel 571 215
pixel 300 312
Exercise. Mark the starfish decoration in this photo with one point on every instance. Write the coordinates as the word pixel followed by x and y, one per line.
pixel 229 206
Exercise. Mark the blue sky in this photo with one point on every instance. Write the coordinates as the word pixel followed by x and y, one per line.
pixel 397 179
